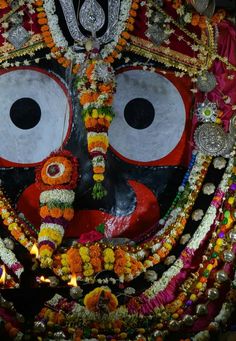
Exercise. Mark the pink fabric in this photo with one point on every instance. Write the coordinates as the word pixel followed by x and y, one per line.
pixel 225 86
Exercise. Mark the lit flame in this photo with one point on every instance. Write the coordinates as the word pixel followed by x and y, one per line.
pixel 44 280
pixel 35 251
pixel 3 276
pixel 73 281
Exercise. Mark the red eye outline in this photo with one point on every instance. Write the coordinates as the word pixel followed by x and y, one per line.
pixel 5 163
pixel 179 155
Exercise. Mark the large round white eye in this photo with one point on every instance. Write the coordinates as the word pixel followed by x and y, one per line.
pixel 150 116
pixel 35 115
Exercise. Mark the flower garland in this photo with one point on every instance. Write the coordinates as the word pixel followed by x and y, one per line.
pixel 55 40
pixel 9 258
pixel 56 177
pixel 176 313
pixel 96 88
pixel 217 242
pixel 15 226
pixel 196 19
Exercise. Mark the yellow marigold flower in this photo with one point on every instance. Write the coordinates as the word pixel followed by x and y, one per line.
pixel 88 272
pixel 12 226
pixel 84 251
pixel 108 266
pixel 98 177
pixel 85 258
pixel 95 113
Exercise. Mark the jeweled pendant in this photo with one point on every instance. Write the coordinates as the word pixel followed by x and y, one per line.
pixel 92 16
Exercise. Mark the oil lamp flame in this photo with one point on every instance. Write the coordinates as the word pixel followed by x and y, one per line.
pixel 35 251
pixel 73 281
pixel 3 275
pixel 44 280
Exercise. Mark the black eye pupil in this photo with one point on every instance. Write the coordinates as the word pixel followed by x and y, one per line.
pixel 139 113
pixel 25 113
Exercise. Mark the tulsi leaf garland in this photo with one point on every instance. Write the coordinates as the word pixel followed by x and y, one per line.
pixel 56 177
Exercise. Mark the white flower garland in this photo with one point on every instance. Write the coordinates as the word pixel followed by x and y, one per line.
pixel 9 258
pixel 61 42
pixel 63 195
pixel 195 241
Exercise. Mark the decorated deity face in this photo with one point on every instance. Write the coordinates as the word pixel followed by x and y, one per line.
pixel 149 141
pixel 141 224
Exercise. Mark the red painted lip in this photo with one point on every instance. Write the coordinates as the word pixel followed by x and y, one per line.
pixel 144 216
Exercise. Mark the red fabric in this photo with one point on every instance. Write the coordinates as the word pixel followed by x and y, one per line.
pixel 225 86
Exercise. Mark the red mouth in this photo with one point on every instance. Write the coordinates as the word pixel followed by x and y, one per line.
pixel 144 216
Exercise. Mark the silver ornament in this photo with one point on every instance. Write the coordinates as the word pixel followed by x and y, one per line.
pixel 150 276
pixel 230 140
pixel 213 294
pixel 9 243
pixel 75 292
pixel 197 214
pixel 209 11
pixel 201 309
pixel 232 126
pixel 208 188
pixel 39 327
pixel 221 276
pixel 219 162
pixel 188 320
pixel 53 281
pixel 174 325
pixel 210 139
pixel 228 256
pixel 59 336
pixel 206 82
pixel 200 5
pixel 157 333
pixel 157 34
pixel 232 236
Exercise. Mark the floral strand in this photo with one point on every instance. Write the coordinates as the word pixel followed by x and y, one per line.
pixel 96 87
pixel 56 177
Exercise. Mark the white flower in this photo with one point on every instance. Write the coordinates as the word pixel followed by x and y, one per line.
pixel 219 162
pixel 170 260
pixel 64 196
pixel 197 215
pixel 185 238
pixel 209 188
pixel 150 276
pixel 188 17
pixel 129 291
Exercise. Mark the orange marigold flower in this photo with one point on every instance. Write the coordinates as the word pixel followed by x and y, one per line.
pixel 202 22
pixel 56 212
pixel 195 19
pixel 42 21
pixel 92 298
pixel 125 34
pixel 3 4
pixel 44 212
pixel 68 213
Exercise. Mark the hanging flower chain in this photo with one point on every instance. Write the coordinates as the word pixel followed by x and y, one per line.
pixel 56 177
pixel 96 87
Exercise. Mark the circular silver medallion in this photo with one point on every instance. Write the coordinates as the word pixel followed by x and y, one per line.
pixel 206 82
pixel 210 139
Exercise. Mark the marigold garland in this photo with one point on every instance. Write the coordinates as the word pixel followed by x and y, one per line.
pixel 56 176
pixel 96 87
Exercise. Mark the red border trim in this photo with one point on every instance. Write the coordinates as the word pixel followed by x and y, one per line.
pixel 6 163
pixel 177 155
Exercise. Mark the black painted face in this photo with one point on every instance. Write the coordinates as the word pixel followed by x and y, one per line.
pixel 148 141
pixel 136 189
